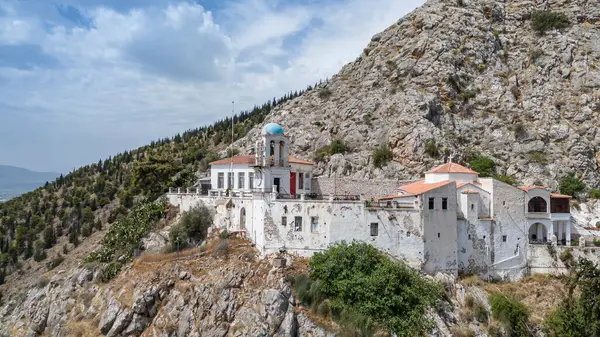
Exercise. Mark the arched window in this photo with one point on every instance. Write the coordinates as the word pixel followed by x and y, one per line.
pixel 243 218
pixel 281 153
pixel 538 233
pixel 271 152
pixel 537 205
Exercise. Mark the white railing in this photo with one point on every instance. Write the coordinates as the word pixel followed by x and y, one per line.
pixel 537 215
pixel 262 194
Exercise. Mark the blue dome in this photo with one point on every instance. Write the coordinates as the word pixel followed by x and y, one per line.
pixel 272 129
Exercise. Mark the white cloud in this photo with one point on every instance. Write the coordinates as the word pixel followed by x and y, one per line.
pixel 151 72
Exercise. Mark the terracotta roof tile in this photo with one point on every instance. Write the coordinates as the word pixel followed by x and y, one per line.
pixel 469 192
pixel 529 188
pixel 295 160
pixel 249 159
pixel 389 197
pixel 421 187
pixel 560 196
pixel 451 168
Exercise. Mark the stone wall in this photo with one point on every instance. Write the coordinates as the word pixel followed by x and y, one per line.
pixel 369 188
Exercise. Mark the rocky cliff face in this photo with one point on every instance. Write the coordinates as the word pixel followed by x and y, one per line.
pixel 219 293
pixel 471 76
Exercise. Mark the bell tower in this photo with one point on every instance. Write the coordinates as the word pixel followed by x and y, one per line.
pixel 272 170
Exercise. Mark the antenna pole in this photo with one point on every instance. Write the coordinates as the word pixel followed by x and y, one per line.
pixel 232 135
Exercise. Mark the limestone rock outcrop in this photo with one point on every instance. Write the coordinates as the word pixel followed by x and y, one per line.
pixel 463 76
pixel 198 297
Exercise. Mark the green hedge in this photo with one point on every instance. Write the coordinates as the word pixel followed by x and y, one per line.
pixel 367 291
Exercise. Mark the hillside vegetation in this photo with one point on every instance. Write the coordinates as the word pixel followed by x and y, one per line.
pixel 69 209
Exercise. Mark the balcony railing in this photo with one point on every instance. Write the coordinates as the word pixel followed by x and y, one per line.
pixel 537 215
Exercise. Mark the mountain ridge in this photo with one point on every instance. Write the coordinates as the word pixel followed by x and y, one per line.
pixel 16 180
pixel 461 79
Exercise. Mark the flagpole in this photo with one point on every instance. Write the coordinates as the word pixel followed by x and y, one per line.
pixel 232 135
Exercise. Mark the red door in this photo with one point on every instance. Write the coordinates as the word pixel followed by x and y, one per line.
pixel 293 183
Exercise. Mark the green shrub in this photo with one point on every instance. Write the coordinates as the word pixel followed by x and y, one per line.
pixel 519 129
pixel 224 235
pixel 367 290
pixel 178 238
pixel 511 180
pixel 538 157
pixel 325 93
pixel 511 313
pixel 480 312
pixel 570 185
pixel 123 238
pixel 39 253
pixel 484 165
pixel 577 314
pixel 431 148
pixel 56 262
pixel 594 193
pixel 42 282
pixel 542 21
pixel 196 223
pixel 381 156
pixel 336 146
pixel 566 256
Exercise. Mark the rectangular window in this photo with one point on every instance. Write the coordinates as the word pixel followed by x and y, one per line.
pixel 438 235
pixel 374 229
pixel 251 180
pixel 444 203
pixel 242 180
pixel 230 180
pixel 503 238
pixel 307 181
pixel 284 221
pixel 298 224
pixel 469 236
pixel 221 180
pixel 431 203
pixel 314 223
pixel 300 181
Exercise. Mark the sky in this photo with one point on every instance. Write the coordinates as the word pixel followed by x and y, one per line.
pixel 82 80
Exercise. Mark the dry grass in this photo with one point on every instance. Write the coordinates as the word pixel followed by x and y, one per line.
pixel 534 292
pixel 461 331
pixel 166 257
pixel 472 280
pixel 81 329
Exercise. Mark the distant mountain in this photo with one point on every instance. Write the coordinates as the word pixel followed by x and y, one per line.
pixel 15 181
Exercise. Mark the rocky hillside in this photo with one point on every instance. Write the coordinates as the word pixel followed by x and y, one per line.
pixel 460 77
pixel 211 292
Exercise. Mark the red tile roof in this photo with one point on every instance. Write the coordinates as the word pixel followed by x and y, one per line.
pixel 469 192
pixel 529 188
pixel 249 159
pixel 451 168
pixel 421 187
pixel 389 197
pixel 560 196
pixel 295 160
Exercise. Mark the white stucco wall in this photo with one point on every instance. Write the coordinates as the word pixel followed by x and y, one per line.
pixel 538 192
pixel 458 177
pixel 510 222
pixel 225 169
pixel 473 238
pixel 484 199
pixel 440 231
pixel 306 170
